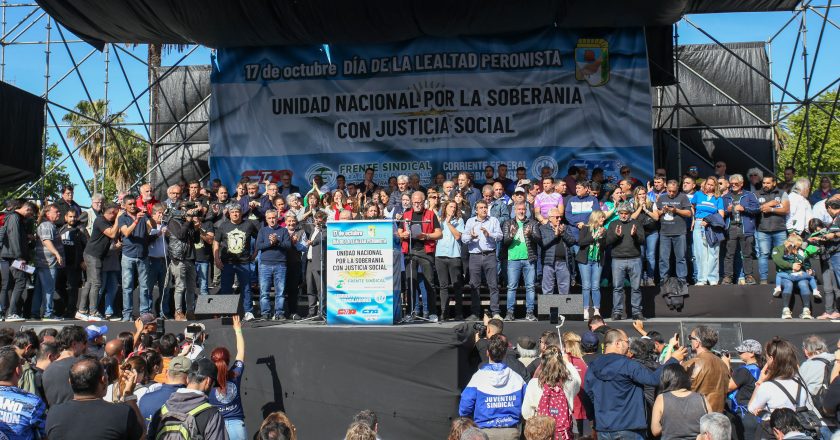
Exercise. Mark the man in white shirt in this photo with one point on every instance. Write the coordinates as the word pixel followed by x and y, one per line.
pixel 800 208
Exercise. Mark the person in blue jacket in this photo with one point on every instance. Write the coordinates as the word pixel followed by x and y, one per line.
pixel 615 385
pixel 493 397
pixel 741 207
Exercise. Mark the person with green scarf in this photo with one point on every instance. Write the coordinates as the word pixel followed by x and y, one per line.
pixel 592 242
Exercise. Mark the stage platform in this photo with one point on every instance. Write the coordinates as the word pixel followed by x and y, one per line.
pixel 412 375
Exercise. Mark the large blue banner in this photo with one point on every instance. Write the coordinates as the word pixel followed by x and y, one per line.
pixel 360 271
pixel 553 99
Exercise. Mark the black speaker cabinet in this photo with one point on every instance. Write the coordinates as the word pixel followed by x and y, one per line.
pixel 212 306
pixel 564 304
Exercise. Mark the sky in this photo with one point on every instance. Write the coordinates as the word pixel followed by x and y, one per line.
pixel 25 64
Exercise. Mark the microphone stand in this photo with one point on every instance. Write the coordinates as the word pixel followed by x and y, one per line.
pixel 411 317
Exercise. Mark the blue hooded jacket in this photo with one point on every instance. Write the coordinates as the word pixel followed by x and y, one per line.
pixel 615 385
pixel 493 398
pixel 751 209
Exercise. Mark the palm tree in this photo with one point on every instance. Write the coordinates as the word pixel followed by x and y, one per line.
pixel 85 124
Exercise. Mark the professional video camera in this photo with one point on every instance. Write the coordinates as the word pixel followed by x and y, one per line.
pixel 182 211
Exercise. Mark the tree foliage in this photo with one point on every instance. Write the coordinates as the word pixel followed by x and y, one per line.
pixel 817 122
pixel 124 151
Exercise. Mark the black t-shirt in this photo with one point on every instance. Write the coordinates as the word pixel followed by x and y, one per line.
pixel 235 241
pixel 99 243
pixel 93 419
pixel 746 385
pixel 204 251
pixel 672 224
pixel 57 382
pixel 416 219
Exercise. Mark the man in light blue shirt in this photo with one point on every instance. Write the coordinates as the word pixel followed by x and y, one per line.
pixel 481 235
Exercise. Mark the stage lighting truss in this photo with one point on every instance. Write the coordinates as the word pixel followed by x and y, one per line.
pixel 70 62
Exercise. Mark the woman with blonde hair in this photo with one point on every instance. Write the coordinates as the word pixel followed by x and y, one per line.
pixel 458 427
pixel 360 431
pixel 556 375
pixel 571 343
pixel 647 214
pixel 707 202
pixel 572 346
pixel 592 241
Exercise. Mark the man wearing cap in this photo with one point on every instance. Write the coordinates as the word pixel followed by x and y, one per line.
pixel 96 340
pixel 193 399
pixel 232 254
pixel 519 195
pixel 626 237
pixel 176 378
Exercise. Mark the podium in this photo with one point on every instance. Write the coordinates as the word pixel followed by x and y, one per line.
pixel 360 273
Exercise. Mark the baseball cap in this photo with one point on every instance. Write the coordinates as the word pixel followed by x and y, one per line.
pixel 204 367
pixel 94 332
pixel 147 318
pixel 180 364
pixel 749 346
pixel 519 189
pixel 589 339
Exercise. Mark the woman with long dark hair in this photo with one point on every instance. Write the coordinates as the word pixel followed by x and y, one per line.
pixel 226 395
pixel 677 410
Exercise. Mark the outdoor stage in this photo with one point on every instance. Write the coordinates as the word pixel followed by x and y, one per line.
pixel 412 375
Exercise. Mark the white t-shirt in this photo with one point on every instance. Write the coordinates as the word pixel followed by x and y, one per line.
pixel 768 396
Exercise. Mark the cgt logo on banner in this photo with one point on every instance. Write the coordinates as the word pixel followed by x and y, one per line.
pixel 543 99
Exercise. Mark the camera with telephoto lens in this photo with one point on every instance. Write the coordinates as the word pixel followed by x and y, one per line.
pixel 185 209
pixel 481 329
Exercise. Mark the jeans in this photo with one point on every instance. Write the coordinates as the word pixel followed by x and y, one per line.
pixel 44 290
pixel 651 240
pixel 630 268
pixel 110 282
pixel 528 271
pixel 275 273
pixel 621 435
pixel 236 429
pixel 556 274
pixel 451 282
pixel 183 271
pixel 765 242
pixel 242 271
pixel 89 297
pixel 803 282
pixel 706 257
pixel 781 276
pixel 157 276
pixel 129 264
pixel 736 240
pixel 834 261
pixel 667 243
pixel 590 278
pixel 202 271
pixel 483 263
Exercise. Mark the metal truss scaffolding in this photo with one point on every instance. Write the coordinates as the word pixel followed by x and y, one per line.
pixel 73 71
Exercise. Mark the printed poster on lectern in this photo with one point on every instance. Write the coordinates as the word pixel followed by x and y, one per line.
pixel 360 271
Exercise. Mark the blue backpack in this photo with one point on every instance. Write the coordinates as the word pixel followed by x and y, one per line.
pixel 737 408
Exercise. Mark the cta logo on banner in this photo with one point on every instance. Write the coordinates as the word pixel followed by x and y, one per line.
pixel 360 271
pixel 553 98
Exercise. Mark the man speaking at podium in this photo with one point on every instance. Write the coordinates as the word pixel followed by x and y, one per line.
pixel 422 226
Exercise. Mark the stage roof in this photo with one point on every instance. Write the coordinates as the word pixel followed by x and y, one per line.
pixel 234 23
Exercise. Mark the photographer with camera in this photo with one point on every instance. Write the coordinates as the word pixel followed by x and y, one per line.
pixel 710 374
pixel 195 335
pixel 184 227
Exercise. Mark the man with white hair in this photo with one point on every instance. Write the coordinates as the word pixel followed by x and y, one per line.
pixel 816 370
pixel 173 194
pixel 93 212
pixel 742 208
pixel 146 200
pixel 755 176
pixel 714 426
pixel 800 208
pixel 395 198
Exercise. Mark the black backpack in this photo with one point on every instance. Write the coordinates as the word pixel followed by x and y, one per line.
pixel 810 422
pixel 819 396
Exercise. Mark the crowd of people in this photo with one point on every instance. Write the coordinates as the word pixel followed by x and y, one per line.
pixel 609 385
pixel 452 237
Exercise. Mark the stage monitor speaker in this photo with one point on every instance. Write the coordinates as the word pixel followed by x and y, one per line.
pixel 730 333
pixel 212 306
pixel 562 304
pixel 37 328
